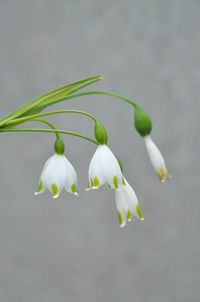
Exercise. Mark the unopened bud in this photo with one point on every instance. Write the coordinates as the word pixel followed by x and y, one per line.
pixel 100 133
pixel 59 146
pixel 143 123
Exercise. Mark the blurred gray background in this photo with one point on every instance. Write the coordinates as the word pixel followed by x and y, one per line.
pixel 72 249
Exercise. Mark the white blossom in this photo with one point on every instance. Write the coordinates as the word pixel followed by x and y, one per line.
pixel 58 173
pixel 104 168
pixel 127 203
pixel 156 159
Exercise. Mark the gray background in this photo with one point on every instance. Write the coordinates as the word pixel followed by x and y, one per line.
pixel 72 249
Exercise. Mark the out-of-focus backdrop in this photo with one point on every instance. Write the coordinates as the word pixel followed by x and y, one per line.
pixel 72 249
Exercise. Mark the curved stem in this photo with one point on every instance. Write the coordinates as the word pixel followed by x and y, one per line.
pixel 48 130
pixel 33 117
pixel 107 93
pixel 75 95
pixel 48 123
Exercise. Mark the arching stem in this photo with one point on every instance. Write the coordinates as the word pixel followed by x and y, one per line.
pixel 75 95
pixel 18 121
pixel 48 130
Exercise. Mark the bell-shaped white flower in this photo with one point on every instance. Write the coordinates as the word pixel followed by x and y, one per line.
pixel 58 173
pixel 156 159
pixel 127 203
pixel 104 168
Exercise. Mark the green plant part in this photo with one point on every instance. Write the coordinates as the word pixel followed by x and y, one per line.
pixel 143 123
pixel 100 133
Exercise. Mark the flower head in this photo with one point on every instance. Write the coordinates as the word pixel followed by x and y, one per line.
pixel 127 203
pixel 57 174
pixel 104 168
pixel 156 158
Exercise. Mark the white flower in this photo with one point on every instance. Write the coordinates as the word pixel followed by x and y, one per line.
pixel 57 174
pixel 156 159
pixel 127 203
pixel 104 168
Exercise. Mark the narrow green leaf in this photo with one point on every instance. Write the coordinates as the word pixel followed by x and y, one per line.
pixel 54 94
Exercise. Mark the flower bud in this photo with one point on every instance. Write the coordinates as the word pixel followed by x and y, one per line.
pixel 100 133
pixel 59 146
pixel 143 123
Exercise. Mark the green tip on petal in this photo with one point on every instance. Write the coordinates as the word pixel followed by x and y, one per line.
pixel 54 190
pixel 115 182
pixel 39 188
pixel 123 181
pixel 88 186
pixel 96 182
pixel 129 215
pixel 120 218
pixel 92 183
pixel 73 188
pixel 162 174
pixel 139 212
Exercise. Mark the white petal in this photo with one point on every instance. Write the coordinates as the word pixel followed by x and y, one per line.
pixel 95 169
pixel 104 168
pixel 121 204
pixel 40 189
pixel 110 167
pixel 155 155
pixel 57 173
pixel 156 158
pixel 71 179
pixel 43 189
pixel 132 201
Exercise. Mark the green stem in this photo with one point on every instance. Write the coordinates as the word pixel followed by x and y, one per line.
pixel 33 117
pixel 75 95
pixel 48 130
pixel 48 123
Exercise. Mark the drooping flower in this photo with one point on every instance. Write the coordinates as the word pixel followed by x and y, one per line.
pixel 156 158
pixel 57 173
pixel 127 203
pixel 104 168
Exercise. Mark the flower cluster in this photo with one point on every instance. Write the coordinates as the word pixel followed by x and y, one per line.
pixel 58 174
pixel 105 168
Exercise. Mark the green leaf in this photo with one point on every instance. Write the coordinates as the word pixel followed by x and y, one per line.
pixel 54 94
